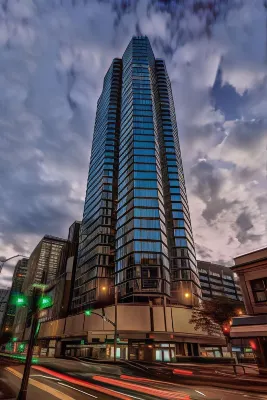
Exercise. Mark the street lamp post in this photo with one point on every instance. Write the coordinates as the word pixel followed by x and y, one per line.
pixel 115 323
pixel 10 258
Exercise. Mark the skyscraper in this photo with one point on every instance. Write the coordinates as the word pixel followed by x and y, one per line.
pixel 17 282
pixel 136 230
pixel 4 295
pixel 43 266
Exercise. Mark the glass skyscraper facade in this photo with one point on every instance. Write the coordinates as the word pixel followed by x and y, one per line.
pixel 136 231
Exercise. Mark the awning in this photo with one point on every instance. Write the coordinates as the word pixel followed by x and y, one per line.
pixel 73 339
pixel 248 331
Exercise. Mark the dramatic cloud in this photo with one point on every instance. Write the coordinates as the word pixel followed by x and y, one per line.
pixel 54 55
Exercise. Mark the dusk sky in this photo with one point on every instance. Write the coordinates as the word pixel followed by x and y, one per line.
pixel 54 55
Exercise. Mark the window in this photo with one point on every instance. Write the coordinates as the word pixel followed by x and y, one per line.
pixel 259 289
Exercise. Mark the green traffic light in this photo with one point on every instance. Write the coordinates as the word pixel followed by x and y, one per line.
pixel 45 302
pixel 88 312
pixel 20 300
pixel 14 339
pixel 21 347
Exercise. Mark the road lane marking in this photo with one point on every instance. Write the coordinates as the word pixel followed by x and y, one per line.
pixel 42 386
pixel 130 395
pixel 47 377
pixel 78 390
pixel 200 393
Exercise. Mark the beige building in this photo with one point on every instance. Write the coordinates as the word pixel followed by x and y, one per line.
pixel 145 332
pixel 251 269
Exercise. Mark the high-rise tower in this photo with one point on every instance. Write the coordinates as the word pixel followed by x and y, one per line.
pixel 17 283
pixel 136 230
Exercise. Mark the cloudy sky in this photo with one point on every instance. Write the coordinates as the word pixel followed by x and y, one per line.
pixel 54 54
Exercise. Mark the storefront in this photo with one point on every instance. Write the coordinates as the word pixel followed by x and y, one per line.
pixel 99 351
pixel 132 350
pixel 211 351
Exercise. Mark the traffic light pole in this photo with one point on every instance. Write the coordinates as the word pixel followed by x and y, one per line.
pixel 27 369
pixel 116 324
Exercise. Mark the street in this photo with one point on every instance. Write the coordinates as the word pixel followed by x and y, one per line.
pixel 69 379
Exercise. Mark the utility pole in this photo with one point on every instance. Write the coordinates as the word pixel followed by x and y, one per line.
pixel 116 323
pixel 37 304
pixel 27 369
pixel 103 316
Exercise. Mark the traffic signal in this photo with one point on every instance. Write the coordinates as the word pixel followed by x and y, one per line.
pixel 88 313
pixel 21 347
pixel 45 302
pixel 253 345
pixel 19 300
pixel 226 331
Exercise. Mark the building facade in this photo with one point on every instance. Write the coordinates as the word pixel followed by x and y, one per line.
pixel 136 230
pixel 43 267
pixel 4 295
pixel 217 280
pixel 16 288
pixel 251 269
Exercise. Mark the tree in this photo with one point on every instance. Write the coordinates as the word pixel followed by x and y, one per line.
pixel 214 316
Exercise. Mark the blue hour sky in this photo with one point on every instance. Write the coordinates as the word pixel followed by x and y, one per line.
pixel 54 54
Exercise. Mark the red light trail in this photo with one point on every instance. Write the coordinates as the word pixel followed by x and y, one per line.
pixel 85 384
pixel 162 394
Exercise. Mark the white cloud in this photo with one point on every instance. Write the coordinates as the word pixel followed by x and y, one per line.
pixel 53 59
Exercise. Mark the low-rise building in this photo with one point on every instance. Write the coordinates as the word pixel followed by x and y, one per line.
pixel 144 332
pixel 251 269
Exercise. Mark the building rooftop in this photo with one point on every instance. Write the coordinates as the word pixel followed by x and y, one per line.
pixel 252 252
pixel 250 258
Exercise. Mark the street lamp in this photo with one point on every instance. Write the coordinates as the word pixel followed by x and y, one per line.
pixel 89 312
pixel 3 261
pixel 187 295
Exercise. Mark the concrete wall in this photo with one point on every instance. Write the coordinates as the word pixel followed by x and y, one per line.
pixel 75 325
pixel 134 318
pixel 52 328
pixel 181 317
pixel 131 318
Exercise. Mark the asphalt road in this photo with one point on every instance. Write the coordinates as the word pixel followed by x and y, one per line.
pixel 105 382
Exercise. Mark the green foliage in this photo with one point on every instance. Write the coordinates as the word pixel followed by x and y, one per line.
pixel 214 314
